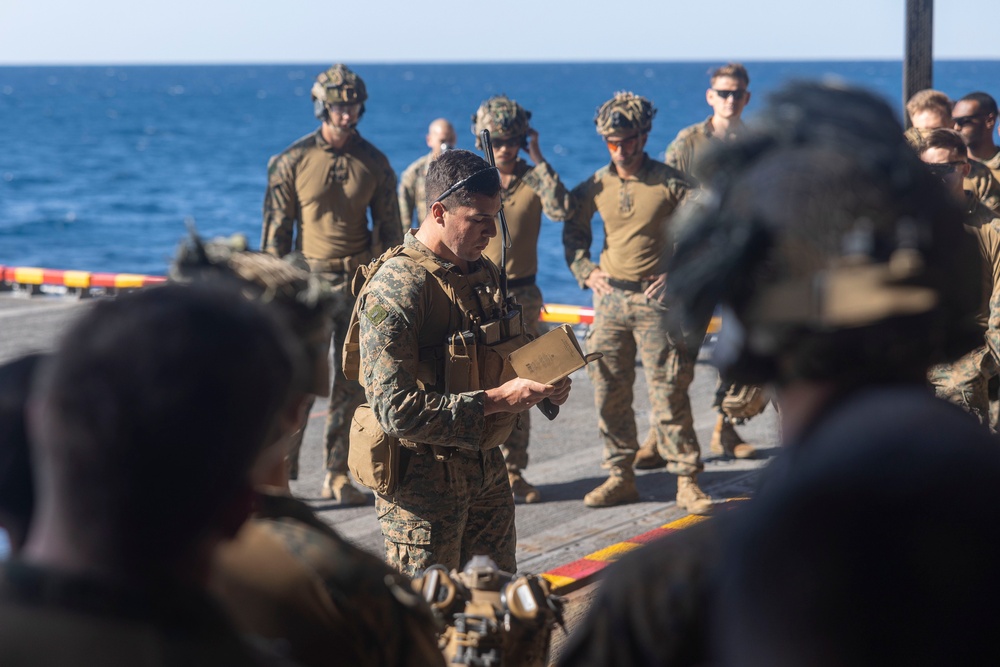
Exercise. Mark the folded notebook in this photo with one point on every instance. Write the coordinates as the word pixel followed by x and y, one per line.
pixel 550 357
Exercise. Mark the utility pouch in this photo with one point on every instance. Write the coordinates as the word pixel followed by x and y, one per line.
pixel 351 359
pixel 512 322
pixel 461 364
pixel 373 456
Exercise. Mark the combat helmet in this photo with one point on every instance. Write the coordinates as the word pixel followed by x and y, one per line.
pixel 305 301
pixel 338 85
pixel 623 112
pixel 503 117
pixel 833 252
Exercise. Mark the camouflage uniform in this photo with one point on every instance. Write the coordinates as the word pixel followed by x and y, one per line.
pixel 692 142
pixel 313 579
pixel 317 201
pixel 636 214
pixel 412 194
pixel 442 511
pixel 531 191
pixel 965 381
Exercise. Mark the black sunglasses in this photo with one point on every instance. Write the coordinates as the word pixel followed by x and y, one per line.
pixel 962 121
pixel 944 168
pixel 726 94
pixel 512 142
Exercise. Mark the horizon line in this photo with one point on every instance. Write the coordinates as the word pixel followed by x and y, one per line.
pixel 681 61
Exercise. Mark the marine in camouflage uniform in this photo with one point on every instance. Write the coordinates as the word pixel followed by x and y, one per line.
pixel 727 94
pixel 319 193
pixel 965 381
pixel 636 197
pixel 412 193
pixel 452 499
pixel 527 192
pixel 287 575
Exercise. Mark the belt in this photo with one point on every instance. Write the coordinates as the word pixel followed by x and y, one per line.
pixel 521 282
pixel 347 264
pixel 440 452
pixel 629 285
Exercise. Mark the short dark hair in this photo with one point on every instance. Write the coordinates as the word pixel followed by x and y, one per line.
pixel 985 101
pixel 154 410
pixel 454 166
pixel 17 491
pixel 942 138
pixel 733 71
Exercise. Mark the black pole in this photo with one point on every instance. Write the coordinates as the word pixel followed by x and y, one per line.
pixel 918 62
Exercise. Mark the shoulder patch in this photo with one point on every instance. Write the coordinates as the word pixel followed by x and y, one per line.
pixel 377 314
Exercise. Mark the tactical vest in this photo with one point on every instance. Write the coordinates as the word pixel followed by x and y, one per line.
pixel 468 352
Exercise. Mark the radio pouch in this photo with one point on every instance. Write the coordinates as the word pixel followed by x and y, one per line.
pixel 373 456
pixel 461 363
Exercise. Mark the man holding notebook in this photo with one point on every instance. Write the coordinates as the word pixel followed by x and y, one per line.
pixel 433 335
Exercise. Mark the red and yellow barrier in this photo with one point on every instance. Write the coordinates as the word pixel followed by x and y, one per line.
pixel 82 280
pixel 557 313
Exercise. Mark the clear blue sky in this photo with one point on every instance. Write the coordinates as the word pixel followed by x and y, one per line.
pixel 226 31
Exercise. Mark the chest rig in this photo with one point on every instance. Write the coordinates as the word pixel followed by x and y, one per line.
pixel 469 329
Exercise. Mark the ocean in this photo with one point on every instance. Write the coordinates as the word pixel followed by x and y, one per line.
pixel 101 167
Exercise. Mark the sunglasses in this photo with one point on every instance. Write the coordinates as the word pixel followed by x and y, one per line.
pixel 737 95
pixel 444 195
pixel 962 121
pixel 945 168
pixel 512 142
pixel 340 109
pixel 627 145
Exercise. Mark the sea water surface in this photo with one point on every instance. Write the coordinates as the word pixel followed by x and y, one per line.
pixel 100 167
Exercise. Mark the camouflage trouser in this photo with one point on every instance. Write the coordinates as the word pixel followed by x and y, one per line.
pixel 345 395
pixel 622 321
pixel 965 383
pixel 515 450
pixel 445 512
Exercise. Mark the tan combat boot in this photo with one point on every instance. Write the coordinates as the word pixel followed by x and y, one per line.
pixel 690 497
pixel 648 458
pixel 727 442
pixel 617 489
pixel 522 489
pixel 338 487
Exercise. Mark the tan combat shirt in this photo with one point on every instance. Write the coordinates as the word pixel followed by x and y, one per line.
pixel 691 142
pixel 413 192
pixel 532 190
pixel 985 224
pixel 993 164
pixel 321 196
pixel 636 214
pixel 984 185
